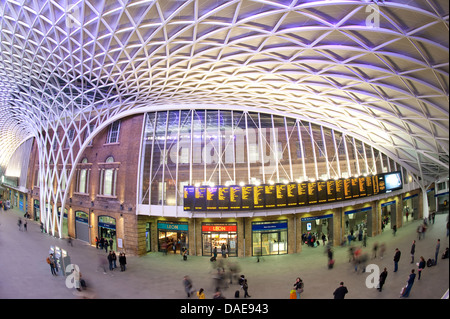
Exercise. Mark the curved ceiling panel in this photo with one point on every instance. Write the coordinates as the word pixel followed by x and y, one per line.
pixel 378 70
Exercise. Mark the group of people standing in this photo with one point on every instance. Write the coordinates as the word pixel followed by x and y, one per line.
pixel 112 260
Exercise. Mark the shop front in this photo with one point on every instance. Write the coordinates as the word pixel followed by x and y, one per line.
pixel 82 226
pixel 107 230
pixel 172 235
pixel 388 214
pixel 269 238
pixel 358 222
pixel 314 227
pixel 222 236
pixel 410 208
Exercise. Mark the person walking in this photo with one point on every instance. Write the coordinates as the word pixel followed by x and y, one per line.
pixel 410 282
pixel 413 250
pixel 51 262
pixel 436 254
pixel 110 260
pixel 187 282
pixel 396 259
pixel 420 266
pixel 298 285
pixel 122 261
pixel 245 287
pixel 383 277
pixel 25 225
pixel 341 291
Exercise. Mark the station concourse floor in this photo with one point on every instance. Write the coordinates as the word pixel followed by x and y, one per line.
pixel 24 273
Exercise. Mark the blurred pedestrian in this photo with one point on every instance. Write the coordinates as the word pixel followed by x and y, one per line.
pixel 188 288
pixel 341 291
pixel 122 261
pixel 245 287
pixel 436 255
pixel 51 262
pixel 413 250
pixel 396 259
pixel 383 277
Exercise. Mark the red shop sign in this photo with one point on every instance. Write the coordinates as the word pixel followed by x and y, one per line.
pixel 219 228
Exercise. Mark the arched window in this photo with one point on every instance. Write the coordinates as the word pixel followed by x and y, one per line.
pixel 108 176
pixel 83 178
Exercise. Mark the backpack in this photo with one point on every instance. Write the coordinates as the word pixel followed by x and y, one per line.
pixel 430 262
pixel 48 261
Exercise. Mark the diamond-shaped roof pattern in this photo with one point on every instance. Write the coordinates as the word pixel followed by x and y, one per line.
pixel 377 70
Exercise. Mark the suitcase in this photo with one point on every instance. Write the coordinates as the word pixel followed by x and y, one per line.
pixel 330 264
pixel 236 294
pixel 212 258
pixel 293 295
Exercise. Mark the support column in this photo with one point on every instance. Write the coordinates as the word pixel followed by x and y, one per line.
pixel 338 222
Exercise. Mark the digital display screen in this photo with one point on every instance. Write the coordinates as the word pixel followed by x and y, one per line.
pixel 235 197
pixel 322 192
pixel 369 189
pixel 347 189
pixel 223 198
pixel 381 184
pixel 281 195
pixel 188 197
pixel 393 181
pixel 331 190
pixel 200 198
pixel 312 193
pixel 291 194
pixel 375 188
pixel 362 186
pixel 270 193
pixel 258 197
pixel 340 189
pixel 355 187
pixel 247 197
pixel 303 193
pixel 211 198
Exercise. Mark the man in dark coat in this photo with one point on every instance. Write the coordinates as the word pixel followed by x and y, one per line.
pixel 396 259
pixel 340 292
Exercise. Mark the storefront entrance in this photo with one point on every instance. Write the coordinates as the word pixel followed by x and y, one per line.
pixel 388 215
pixel 172 236
pixel 107 230
pixel 222 237
pixel 269 238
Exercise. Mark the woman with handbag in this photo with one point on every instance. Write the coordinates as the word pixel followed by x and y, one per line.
pixel 298 285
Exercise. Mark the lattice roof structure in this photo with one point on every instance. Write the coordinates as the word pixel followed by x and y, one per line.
pixel 376 70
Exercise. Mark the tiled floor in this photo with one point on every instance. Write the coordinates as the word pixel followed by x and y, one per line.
pixel 25 273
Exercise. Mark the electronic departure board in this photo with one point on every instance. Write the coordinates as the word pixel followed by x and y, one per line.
pixel 312 193
pixel 223 198
pixel 340 189
pixel 211 198
pixel 321 192
pixel 258 196
pixel 281 190
pixel 331 190
pixel 292 194
pixel 270 194
pixel 362 186
pixel 249 197
pixel 347 188
pixel 369 189
pixel 235 197
pixel 200 198
pixel 355 187
pixel 303 193
pixel 188 197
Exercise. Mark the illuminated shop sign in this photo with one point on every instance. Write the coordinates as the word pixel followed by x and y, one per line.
pixel 219 228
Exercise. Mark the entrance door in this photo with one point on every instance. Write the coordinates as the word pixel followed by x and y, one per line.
pixel 273 243
pixel 82 226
